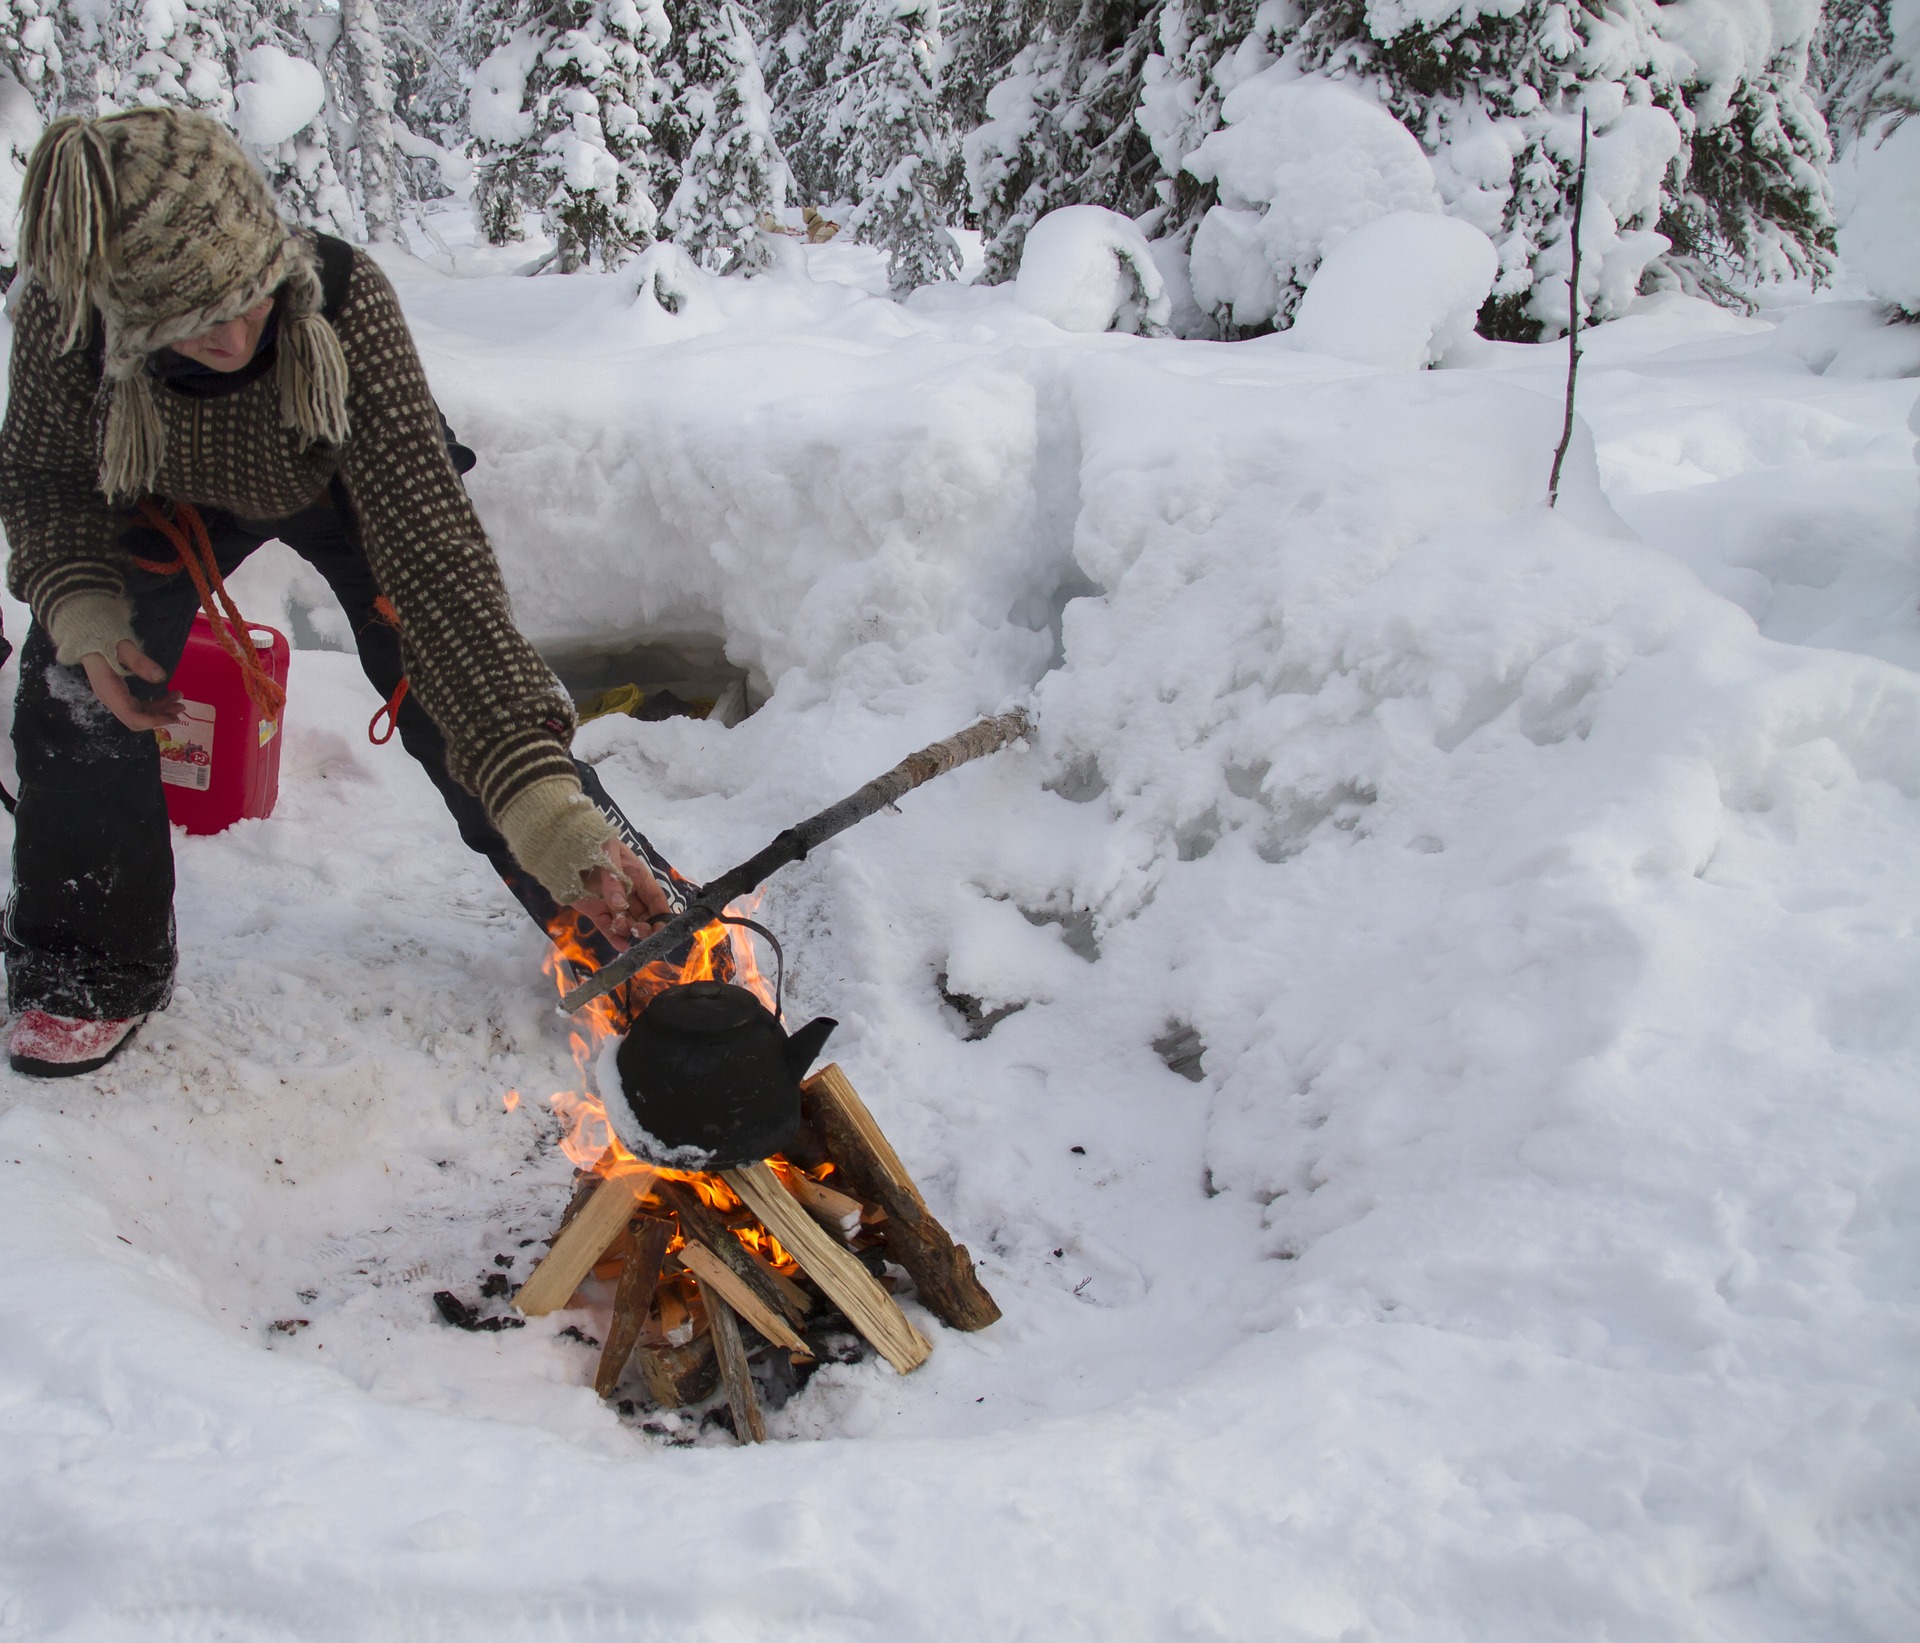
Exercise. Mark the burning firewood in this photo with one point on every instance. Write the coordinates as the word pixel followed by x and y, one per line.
pixel 849 1285
pixel 722 1150
pixel 765 1243
pixel 645 1250
pixel 717 1278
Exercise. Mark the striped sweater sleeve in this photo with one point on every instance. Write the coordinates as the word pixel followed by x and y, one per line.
pixel 62 533
pixel 507 721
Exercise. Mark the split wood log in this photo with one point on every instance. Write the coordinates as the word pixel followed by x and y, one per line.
pixel 720 1279
pixel 942 1271
pixel 704 1226
pixel 712 899
pixel 645 1244
pixel 585 1184
pixel 576 1251
pixel 749 1426
pixel 868 1307
pixel 678 1375
pixel 835 1211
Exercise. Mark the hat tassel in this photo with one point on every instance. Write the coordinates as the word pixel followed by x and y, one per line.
pixel 313 379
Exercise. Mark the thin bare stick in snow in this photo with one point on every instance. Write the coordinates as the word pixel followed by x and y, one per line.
pixel 1573 318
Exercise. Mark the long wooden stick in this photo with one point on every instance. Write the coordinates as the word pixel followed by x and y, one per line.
pixel 1573 319
pixel 711 900
pixel 849 1285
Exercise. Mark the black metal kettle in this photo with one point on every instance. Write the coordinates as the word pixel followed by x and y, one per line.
pixel 708 1070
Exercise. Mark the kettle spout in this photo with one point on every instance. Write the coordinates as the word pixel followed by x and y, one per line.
pixel 806 1044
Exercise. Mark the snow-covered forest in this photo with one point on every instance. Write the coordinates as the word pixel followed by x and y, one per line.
pixel 1420 1040
pixel 1238 138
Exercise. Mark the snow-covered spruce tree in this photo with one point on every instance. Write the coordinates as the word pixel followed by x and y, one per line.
pixel 369 70
pixel 564 116
pixel 32 50
pixel 874 133
pixel 179 52
pixel 716 131
pixel 1753 204
pixel 1851 48
pixel 1495 100
pixel 1881 237
pixel 791 70
pixel 293 115
pixel 1205 50
pixel 1058 126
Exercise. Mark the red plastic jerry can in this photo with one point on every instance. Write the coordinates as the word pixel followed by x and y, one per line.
pixel 222 762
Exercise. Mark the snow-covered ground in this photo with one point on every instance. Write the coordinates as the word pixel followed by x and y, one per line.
pixel 1532 1253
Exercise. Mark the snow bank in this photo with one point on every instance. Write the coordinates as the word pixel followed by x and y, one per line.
pixel 20 128
pixel 1397 292
pixel 1881 237
pixel 1449 1166
pixel 1299 163
pixel 278 95
pixel 1089 269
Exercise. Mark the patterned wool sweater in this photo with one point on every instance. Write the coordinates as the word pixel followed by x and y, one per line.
pixel 506 719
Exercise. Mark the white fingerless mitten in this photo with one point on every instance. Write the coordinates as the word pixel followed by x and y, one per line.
pixel 557 834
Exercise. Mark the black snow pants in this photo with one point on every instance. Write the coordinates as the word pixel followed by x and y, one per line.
pixel 89 929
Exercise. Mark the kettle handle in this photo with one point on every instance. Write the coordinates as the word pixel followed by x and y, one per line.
pixel 805 1045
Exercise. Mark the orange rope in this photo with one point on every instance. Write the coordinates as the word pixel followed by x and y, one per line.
pixel 383 609
pixel 187 531
pixel 391 713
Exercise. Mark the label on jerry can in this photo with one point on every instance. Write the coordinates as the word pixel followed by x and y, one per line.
pixel 186 749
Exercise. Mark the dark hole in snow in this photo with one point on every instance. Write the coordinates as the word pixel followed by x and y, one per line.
pixel 1076 928
pixel 1196 841
pixel 573 1332
pixel 678 675
pixel 1345 804
pixel 1182 1048
pixel 505 1260
pixel 1081 782
pixel 1245 781
pixel 977 1020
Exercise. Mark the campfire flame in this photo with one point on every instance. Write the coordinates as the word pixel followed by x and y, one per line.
pixel 720 952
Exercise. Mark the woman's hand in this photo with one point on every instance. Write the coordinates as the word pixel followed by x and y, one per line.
pixel 623 898
pixel 114 696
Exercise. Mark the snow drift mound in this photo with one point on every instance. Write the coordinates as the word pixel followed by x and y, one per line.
pixel 1420 1045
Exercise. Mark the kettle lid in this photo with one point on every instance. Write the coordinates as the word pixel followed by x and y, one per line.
pixel 705 1009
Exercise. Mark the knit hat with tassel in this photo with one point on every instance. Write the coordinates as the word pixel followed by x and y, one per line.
pixel 155 218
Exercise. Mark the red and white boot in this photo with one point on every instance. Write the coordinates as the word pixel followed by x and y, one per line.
pixel 44 1045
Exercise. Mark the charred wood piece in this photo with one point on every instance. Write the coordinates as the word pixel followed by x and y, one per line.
pixel 704 1226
